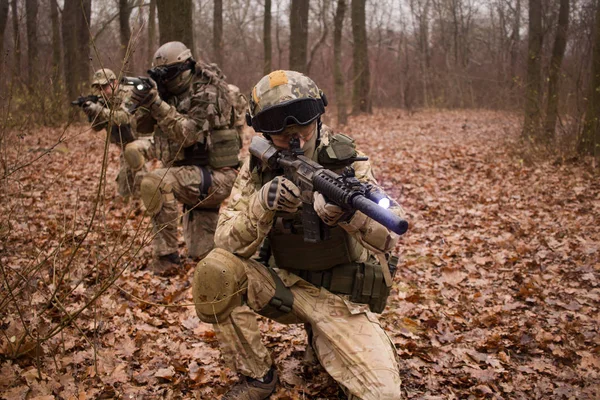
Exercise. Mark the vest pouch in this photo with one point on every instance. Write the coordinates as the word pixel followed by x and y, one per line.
pixel 368 285
pixel 363 283
pixel 225 145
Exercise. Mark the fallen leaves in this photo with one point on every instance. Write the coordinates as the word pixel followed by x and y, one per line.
pixel 497 294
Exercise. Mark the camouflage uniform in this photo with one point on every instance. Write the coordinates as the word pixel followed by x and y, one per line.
pixel 187 121
pixel 115 119
pixel 229 286
pixel 240 105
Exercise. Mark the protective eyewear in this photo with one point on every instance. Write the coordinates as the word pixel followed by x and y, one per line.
pixel 296 112
pixel 165 73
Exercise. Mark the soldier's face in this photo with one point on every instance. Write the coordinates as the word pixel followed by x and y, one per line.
pixel 304 133
pixel 109 89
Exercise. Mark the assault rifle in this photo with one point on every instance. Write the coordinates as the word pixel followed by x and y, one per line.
pixel 82 100
pixel 344 190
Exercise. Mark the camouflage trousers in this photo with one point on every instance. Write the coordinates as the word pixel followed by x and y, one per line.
pixel 347 338
pixel 126 187
pixel 201 211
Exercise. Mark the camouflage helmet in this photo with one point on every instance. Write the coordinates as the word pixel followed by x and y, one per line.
pixel 284 98
pixel 103 76
pixel 171 53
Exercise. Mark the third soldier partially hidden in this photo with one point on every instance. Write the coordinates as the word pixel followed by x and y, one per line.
pixel 191 113
pixel 334 286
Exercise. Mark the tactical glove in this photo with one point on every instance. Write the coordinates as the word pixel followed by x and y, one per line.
pixel 328 212
pixel 92 109
pixel 144 97
pixel 280 194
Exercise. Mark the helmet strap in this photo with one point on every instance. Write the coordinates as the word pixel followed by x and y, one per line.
pixel 319 126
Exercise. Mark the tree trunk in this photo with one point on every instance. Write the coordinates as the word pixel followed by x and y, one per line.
pixel 16 36
pixel 267 38
pixel 125 33
pixel 558 52
pixel 175 21
pixel 340 95
pixel 589 140
pixel 76 38
pixel 324 32
pixel 56 57
pixel 533 89
pixel 218 32
pixel 151 31
pixel 3 19
pixel 515 39
pixel 298 35
pixel 31 11
pixel 360 61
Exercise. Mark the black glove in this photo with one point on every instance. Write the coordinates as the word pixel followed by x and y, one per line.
pixel 144 97
pixel 92 109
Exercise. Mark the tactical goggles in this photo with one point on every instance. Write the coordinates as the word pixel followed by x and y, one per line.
pixel 165 73
pixel 296 112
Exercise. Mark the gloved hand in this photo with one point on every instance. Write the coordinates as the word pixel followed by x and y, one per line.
pixel 280 194
pixel 328 212
pixel 144 97
pixel 92 109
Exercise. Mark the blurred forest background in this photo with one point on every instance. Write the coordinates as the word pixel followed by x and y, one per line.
pixel 541 58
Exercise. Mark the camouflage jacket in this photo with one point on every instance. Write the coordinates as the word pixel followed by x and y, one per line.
pixel 244 223
pixel 191 116
pixel 114 113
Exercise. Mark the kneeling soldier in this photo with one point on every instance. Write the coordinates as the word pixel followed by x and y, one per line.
pixel 110 112
pixel 191 113
pixel 333 285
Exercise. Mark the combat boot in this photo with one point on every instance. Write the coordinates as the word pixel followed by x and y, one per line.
pixel 167 265
pixel 253 389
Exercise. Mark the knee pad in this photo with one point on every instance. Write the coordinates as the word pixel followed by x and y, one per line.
pixel 219 282
pixel 134 157
pixel 151 193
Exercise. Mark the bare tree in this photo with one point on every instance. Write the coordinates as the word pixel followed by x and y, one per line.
pixel 3 19
pixel 31 11
pixel 16 36
pixel 125 31
pixel 558 52
pixel 298 35
pixel 267 38
pixel 589 140
pixel 76 39
pixel 218 32
pixel 56 47
pixel 533 87
pixel 340 95
pixel 175 21
pixel 515 40
pixel 324 27
pixel 360 59
pixel 151 31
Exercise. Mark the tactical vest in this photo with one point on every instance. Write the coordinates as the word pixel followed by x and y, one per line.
pixel 223 145
pixel 330 263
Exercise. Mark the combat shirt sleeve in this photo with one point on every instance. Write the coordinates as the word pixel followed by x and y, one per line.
pixel 209 110
pixel 244 223
pixel 370 233
pixel 143 121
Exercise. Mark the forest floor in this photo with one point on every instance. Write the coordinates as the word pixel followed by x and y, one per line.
pixel 497 294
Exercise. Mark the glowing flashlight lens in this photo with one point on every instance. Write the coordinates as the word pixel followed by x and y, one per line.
pixel 385 203
pixel 140 87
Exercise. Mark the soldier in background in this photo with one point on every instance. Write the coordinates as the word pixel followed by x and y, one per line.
pixel 110 113
pixel 315 283
pixel 191 113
